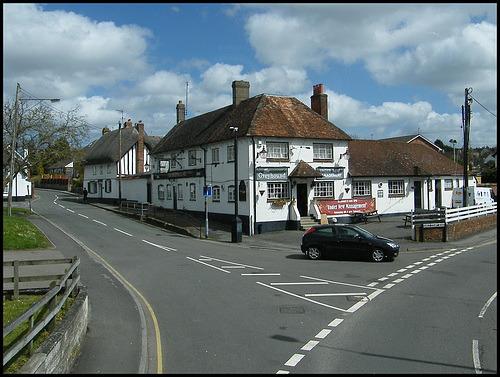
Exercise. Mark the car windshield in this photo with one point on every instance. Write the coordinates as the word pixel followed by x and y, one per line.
pixel 364 232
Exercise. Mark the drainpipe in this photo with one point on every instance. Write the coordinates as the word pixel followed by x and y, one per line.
pixel 254 188
pixel 205 185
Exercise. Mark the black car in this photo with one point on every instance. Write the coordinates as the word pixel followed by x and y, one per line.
pixel 349 241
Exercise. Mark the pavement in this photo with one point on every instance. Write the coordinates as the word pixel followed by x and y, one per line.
pixel 390 226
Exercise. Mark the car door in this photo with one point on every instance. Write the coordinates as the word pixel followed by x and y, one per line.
pixel 326 239
pixel 351 243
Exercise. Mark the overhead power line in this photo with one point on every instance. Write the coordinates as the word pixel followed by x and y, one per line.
pixel 483 106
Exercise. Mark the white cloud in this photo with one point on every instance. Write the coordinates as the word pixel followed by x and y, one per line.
pixel 418 44
pixel 103 67
pixel 66 53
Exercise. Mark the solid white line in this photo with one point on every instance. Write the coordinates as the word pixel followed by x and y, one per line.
pixel 335 322
pixel 309 345
pixel 486 306
pixel 303 298
pixel 83 215
pixel 225 261
pixel 323 333
pixel 475 356
pixel 301 283
pixel 359 304
pixel 294 360
pixel 209 265
pixel 160 246
pixel 121 231
pixel 99 222
pixel 336 282
pixel 333 294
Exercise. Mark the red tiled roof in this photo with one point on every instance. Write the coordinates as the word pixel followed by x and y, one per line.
pixel 304 170
pixel 390 158
pixel 262 115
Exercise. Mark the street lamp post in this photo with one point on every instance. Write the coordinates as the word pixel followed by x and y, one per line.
pixel 453 142
pixel 13 142
pixel 236 228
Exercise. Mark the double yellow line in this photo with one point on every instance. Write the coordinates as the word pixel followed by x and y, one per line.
pixel 124 281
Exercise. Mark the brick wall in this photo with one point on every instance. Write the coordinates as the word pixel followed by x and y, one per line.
pixel 456 230
pixel 58 352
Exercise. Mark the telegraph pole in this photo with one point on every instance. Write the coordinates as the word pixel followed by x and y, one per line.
pixel 466 121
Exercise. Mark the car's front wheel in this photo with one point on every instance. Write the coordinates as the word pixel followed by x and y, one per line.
pixel 377 255
pixel 313 253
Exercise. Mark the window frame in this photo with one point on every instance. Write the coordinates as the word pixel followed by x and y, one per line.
pixel 322 151
pixel 192 192
pixel 215 155
pixel 396 188
pixel 278 151
pixel 107 186
pixel 356 185
pixel 216 194
pixel 192 157
pixel 161 192
pixel 328 192
pixel 278 190
pixel 230 153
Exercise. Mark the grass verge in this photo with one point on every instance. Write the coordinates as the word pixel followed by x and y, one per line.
pixel 19 233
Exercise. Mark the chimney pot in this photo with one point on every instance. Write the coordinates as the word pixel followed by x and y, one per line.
pixel 241 92
pixel 181 112
pixel 140 147
pixel 319 101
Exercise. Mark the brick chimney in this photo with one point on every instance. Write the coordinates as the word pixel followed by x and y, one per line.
pixel 319 101
pixel 241 92
pixel 140 148
pixel 128 123
pixel 181 112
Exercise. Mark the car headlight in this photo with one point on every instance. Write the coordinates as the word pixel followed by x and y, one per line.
pixel 393 245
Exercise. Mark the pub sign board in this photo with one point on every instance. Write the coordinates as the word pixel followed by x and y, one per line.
pixel 346 206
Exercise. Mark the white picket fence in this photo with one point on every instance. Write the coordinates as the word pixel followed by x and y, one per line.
pixel 464 213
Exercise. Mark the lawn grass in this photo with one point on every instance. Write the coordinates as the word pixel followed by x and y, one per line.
pixel 19 233
pixel 12 309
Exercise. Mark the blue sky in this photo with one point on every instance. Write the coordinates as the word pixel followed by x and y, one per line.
pixel 388 69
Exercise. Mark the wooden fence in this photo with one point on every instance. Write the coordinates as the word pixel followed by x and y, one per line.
pixel 61 284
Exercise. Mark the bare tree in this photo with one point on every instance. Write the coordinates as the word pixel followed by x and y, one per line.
pixel 39 127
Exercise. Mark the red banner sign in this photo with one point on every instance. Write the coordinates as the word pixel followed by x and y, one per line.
pixel 346 206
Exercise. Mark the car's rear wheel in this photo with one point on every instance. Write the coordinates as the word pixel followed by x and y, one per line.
pixel 377 255
pixel 313 253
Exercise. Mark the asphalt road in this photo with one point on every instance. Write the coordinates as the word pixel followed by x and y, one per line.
pixel 161 302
